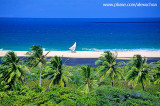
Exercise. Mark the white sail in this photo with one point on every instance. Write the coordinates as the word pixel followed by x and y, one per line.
pixel 73 48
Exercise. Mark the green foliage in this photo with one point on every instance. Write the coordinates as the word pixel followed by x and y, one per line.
pixel 77 77
pixel 109 66
pixel 3 85
pixel 124 96
pixel 87 100
pixel 139 72
pixel 57 95
pixel 89 82
pixel 11 70
pixel 82 87
pixel 37 88
pixel 58 75
pixel 104 95
pixel 36 58
pixel 157 75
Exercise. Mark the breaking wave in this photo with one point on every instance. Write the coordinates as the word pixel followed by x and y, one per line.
pixel 120 50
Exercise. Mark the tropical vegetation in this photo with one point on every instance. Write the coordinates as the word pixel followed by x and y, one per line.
pixel 139 72
pixel 38 80
pixel 110 67
pixel 36 58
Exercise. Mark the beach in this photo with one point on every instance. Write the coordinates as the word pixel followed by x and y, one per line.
pixel 91 54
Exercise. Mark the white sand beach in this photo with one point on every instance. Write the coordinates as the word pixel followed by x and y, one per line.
pixel 91 54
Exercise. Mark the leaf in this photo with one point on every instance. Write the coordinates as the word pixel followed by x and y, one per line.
pixel 118 74
pixel 1 75
pixel 18 73
pixel 67 73
pixel 129 83
pixel 53 79
pixel 98 62
pixel 11 76
pixel 140 74
pixel 109 72
pixel 86 88
pixel 65 78
pixel 102 78
pixel 157 81
pixel 61 82
pixel 51 83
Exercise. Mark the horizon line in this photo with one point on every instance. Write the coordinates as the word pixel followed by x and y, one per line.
pixel 86 17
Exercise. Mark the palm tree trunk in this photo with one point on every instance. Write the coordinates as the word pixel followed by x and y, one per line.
pixel 112 82
pixel 143 86
pixel 40 74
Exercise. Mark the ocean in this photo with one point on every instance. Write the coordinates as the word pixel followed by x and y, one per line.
pixel 19 34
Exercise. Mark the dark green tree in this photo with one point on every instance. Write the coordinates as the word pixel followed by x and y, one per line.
pixel 59 75
pixel 36 58
pixel 89 82
pixel 12 71
pixel 139 72
pixel 110 67
pixel 157 75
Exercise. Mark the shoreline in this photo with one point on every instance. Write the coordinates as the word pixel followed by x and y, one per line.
pixel 91 54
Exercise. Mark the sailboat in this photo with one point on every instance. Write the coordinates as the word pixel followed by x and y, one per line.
pixel 73 48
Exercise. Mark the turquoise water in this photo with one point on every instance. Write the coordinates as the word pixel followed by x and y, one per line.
pixel 90 34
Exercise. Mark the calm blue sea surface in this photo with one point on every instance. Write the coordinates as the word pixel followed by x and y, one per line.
pixel 89 61
pixel 90 34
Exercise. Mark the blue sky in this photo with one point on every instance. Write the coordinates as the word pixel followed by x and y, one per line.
pixel 76 9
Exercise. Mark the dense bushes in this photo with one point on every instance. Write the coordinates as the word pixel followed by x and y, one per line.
pixel 104 95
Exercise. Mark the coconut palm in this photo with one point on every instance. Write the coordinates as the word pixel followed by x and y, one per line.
pixel 89 83
pixel 11 70
pixel 58 75
pixel 110 67
pixel 157 75
pixel 36 58
pixel 139 72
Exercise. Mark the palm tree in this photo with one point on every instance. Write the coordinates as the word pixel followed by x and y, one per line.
pixel 157 75
pixel 36 58
pixel 89 83
pixel 58 75
pixel 110 67
pixel 12 71
pixel 139 72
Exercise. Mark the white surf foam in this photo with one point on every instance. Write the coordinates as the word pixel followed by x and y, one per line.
pixel 121 50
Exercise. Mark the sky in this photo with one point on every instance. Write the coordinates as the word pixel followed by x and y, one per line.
pixel 76 9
